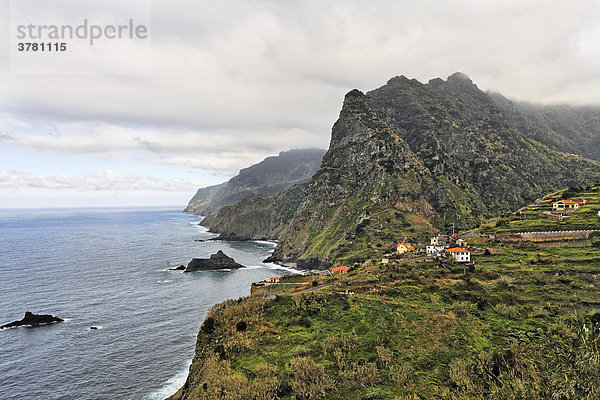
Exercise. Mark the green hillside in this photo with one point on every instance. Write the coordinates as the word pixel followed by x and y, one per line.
pixel 406 160
pixel 532 217
pixel 525 325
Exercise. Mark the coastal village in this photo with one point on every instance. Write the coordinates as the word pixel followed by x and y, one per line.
pixel 454 252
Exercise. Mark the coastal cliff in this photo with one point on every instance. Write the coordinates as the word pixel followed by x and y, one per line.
pixel 257 217
pixel 269 177
pixel 523 324
pixel 405 161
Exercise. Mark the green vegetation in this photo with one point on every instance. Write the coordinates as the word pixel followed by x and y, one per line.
pixel 526 325
pixel 257 216
pixel 404 160
pixel 444 151
pixel 533 219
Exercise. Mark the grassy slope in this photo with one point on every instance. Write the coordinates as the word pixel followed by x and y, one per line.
pixel 530 220
pixel 408 330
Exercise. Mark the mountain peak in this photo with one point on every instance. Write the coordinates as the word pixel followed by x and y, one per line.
pixel 459 77
pixel 354 93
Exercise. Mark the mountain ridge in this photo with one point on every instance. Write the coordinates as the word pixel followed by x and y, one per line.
pixel 444 151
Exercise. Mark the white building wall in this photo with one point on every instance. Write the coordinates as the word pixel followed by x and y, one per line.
pixel 462 257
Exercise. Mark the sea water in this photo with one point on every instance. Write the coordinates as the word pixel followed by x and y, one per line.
pixel 108 268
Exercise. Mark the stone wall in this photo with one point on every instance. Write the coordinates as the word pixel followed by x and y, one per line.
pixel 545 236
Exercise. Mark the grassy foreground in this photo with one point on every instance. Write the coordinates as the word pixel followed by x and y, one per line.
pixel 525 325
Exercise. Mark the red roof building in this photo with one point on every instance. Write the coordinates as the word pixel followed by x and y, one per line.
pixel 459 254
pixel 568 204
pixel 340 270
pixel 404 247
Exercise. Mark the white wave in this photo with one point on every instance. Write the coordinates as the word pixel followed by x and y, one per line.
pixel 204 229
pixel 254 266
pixel 171 386
pixel 10 327
pixel 288 269
pixel 165 281
pixel 172 269
pixel 267 242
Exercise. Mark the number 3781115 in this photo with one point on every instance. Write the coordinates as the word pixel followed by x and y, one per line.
pixel 49 46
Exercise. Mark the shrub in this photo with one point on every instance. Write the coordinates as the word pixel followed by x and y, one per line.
pixel 305 321
pixel 410 396
pixel 384 355
pixel 400 375
pixel 510 312
pixel 463 308
pixel 309 379
pixel 505 282
pixel 241 326
pixel 501 222
pixel 344 342
pixel 208 326
pixel 360 373
pixel 459 372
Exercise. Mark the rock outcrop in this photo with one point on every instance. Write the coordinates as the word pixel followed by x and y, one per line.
pixel 409 157
pixel 216 261
pixel 31 319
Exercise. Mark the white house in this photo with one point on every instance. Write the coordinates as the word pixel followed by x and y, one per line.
pixel 438 241
pixel 567 205
pixel 459 254
pixel 433 249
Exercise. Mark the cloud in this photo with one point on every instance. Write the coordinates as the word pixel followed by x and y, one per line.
pixel 98 181
pixel 234 81
pixel 222 150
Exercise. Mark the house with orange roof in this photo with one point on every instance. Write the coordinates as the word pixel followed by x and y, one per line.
pixel 274 279
pixel 404 247
pixel 459 254
pixel 567 205
pixel 339 270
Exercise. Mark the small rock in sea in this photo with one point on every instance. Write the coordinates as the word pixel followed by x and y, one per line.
pixel 216 261
pixel 93 327
pixel 32 319
pixel 180 268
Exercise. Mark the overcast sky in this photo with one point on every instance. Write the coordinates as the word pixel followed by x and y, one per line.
pixel 234 81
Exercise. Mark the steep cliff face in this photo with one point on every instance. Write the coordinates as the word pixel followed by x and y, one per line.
pixel 203 198
pixel 257 216
pixel 269 177
pixel 409 153
pixel 367 193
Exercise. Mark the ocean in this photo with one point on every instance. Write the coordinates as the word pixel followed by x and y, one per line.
pixel 109 268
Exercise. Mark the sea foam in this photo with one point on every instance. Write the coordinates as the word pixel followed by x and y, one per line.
pixel 171 386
